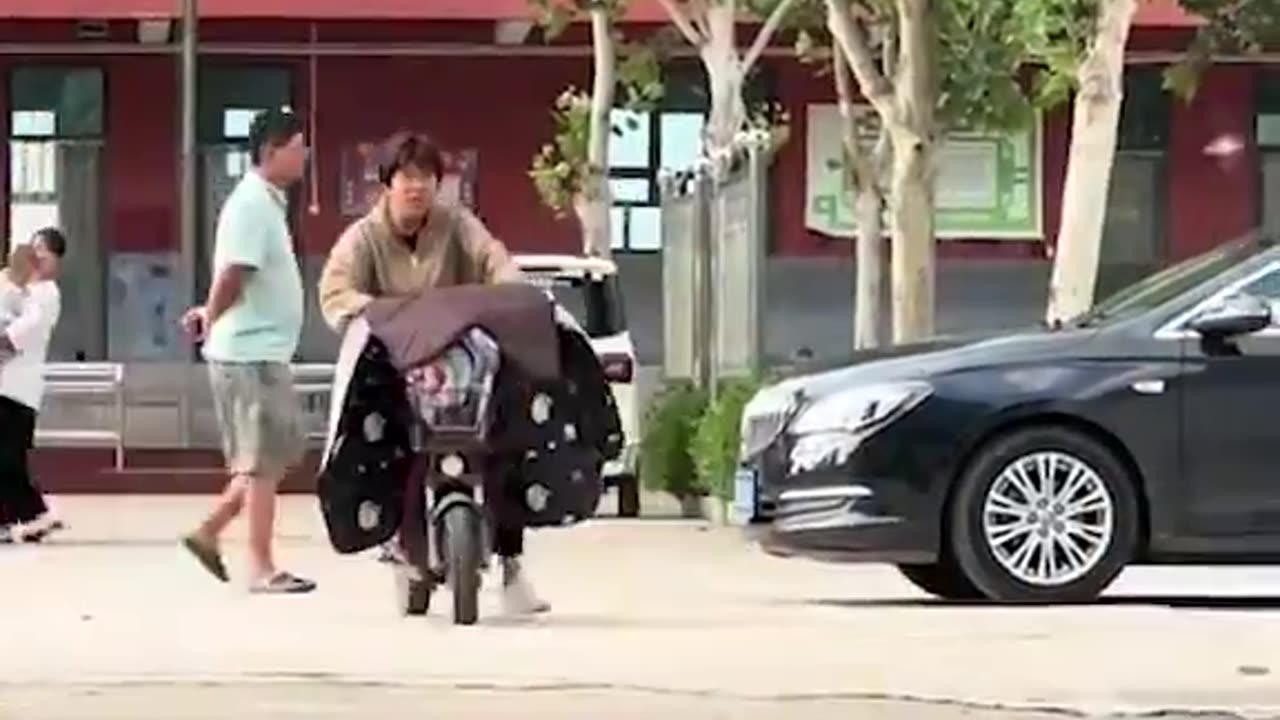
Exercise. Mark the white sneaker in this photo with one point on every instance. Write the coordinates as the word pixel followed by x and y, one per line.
pixel 518 596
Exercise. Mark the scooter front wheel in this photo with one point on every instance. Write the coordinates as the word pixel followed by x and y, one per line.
pixel 462 545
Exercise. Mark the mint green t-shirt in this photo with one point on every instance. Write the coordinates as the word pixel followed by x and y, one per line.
pixel 266 323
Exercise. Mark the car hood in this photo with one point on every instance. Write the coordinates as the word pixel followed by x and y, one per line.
pixel 934 357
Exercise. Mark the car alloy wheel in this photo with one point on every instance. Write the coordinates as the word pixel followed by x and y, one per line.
pixel 1048 518
pixel 1044 514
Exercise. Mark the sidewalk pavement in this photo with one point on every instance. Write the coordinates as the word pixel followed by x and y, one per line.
pixel 654 608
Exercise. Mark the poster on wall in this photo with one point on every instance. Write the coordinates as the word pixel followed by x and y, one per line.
pixel 361 188
pixel 143 310
pixel 988 184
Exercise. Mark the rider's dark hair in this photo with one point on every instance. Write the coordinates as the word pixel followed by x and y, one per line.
pixel 407 149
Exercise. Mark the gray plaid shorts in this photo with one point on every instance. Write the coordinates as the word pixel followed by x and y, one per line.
pixel 259 417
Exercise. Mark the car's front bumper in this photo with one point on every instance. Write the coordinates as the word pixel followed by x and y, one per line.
pixel 850 512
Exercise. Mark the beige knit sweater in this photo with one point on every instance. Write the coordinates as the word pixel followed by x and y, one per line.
pixel 370 260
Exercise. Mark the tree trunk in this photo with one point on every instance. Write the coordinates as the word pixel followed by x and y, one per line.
pixel 724 75
pixel 869 283
pixel 911 209
pixel 593 218
pixel 911 193
pixel 863 183
pixel 1095 125
pixel 593 210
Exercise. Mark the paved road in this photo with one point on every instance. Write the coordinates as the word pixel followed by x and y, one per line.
pixel 652 619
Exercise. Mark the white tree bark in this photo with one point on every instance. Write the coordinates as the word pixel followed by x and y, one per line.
pixel 911 193
pixel 593 209
pixel 905 105
pixel 1095 125
pixel 863 183
pixel 724 74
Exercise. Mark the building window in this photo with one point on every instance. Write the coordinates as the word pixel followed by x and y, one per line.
pixel 1133 237
pixel 643 146
pixel 1267 138
pixel 55 159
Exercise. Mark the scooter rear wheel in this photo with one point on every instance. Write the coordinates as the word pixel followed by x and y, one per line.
pixel 462 545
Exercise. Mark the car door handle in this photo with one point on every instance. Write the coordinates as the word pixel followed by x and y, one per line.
pixel 1148 387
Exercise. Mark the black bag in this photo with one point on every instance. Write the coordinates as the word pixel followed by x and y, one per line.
pixel 361 488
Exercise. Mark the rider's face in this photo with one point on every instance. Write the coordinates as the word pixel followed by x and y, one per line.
pixel 412 191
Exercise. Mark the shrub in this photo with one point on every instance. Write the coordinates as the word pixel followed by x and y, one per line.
pixel 717 437
pixel 666 462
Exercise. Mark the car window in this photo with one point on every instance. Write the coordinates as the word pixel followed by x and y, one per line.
pixel 596 303
pixel 1175 280
pixel 1266 287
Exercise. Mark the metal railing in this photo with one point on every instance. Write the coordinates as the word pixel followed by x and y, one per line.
pixel 105 379
pixel 94 379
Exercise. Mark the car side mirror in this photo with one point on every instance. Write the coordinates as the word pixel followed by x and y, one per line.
pixel 1237 315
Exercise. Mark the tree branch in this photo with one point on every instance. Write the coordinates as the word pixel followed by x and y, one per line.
pixel 765 35
pixel 851 39
pixel 682 21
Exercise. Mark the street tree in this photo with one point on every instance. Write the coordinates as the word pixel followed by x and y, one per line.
pixel 863 164
pixel 572 170
pixel 710 26
pixel 980 44
pixel 1083 43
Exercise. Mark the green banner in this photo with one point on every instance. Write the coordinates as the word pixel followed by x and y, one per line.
pixel 989 186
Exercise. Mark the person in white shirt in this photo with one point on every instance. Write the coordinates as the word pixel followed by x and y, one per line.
pixel 24 515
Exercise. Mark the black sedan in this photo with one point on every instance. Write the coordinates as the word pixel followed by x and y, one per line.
pixel 1033 467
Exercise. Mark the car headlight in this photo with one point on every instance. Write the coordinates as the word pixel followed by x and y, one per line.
pixel 763 419
pixel 860 410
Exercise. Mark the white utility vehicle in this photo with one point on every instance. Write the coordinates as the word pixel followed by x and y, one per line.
pixel 590 290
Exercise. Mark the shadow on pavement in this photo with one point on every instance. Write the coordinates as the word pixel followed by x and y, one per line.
pixel 1187 602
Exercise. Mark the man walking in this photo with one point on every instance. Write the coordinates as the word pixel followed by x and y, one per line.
pixel 250 324
pixel 24 516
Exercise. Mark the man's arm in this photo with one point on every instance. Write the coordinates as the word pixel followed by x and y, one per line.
pixel 225 292
pixel 344 285
pixel 488 253
pixel 39 314
pixel 240 249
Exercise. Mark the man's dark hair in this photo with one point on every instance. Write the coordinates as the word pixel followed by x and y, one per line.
pixel 406 149
pixel 53 239
pixel 276 128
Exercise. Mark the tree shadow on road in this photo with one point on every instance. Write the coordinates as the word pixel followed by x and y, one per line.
pixel 1179 602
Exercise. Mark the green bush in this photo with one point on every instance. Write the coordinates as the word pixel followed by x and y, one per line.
pixel 666 462
pixel 717 437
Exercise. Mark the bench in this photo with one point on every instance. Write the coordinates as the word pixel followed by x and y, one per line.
pixel 95 379
pixel 312 380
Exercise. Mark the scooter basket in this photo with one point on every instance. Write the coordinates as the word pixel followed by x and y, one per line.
pixel 451 395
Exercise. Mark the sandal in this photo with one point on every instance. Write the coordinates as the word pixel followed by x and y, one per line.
pixel 282 583
pixel 209 557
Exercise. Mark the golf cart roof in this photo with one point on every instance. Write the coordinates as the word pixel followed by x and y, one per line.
pixel 566 265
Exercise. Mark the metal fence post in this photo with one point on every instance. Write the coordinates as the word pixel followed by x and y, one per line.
pixel 188 200
pixel 706 194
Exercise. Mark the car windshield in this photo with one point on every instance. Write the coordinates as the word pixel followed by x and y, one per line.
pixel 596 303
pixel 1165 285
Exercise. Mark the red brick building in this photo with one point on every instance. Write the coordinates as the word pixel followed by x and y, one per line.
pixel 99 80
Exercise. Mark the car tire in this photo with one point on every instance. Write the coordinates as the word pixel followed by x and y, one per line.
pixel 628 496
pixel 1090 535
pixel 942 579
